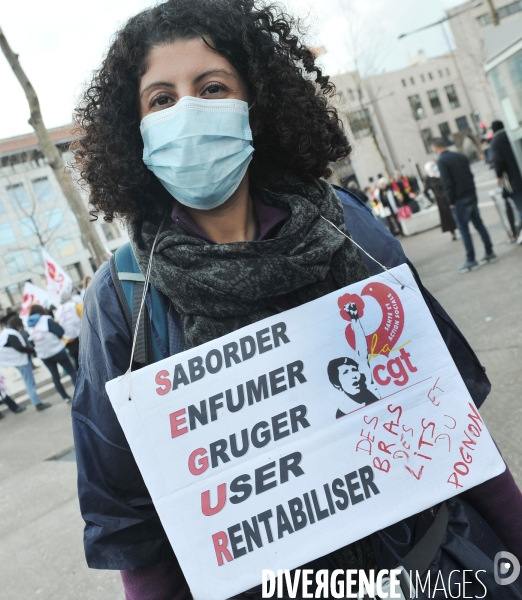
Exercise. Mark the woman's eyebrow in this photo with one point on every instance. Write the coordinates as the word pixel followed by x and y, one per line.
pixel 210 72
pixel 157 84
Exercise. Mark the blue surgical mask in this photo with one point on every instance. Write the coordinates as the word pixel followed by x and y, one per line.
pixel 199 149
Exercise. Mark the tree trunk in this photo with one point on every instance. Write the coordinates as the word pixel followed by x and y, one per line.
pixel 373 133
pixel 493 12
pixel 90 237
pixel 379 150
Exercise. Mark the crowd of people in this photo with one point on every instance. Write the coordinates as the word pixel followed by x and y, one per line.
pixel 449 184
pixel 390 200
pixel 50 334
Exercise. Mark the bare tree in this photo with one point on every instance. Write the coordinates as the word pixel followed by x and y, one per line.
pixel 364 56
pixel 54 157
pixel 45 235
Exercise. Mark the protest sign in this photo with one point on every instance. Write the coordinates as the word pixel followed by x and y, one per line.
pixel 57 279
pixel 32 295
pixel 299 434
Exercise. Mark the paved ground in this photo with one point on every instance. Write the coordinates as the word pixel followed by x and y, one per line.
pixel 41 553
pixel 487 306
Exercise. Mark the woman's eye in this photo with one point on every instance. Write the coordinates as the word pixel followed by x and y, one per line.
pixel 214 88
pixel 161 100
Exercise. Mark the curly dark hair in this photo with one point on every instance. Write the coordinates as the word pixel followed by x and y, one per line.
pixel 299 132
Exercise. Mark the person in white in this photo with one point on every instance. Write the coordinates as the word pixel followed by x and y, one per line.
pixel 46 335
pixel 6 399
pixel 68 315
pixel 14 352
pixel 385 196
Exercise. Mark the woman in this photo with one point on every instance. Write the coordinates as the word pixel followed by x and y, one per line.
pixel 166 143
pixel 68 316
pixel 385 196
pixel 15 351
pixel 434 189
pixel 15 322
pixel 46 335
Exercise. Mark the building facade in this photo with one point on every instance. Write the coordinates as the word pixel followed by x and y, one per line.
pixel 504 67
pixel 392 117
pixel 469 21
pixel 34 213
pixel 397 114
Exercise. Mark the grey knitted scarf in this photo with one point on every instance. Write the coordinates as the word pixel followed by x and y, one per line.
pixel 218 288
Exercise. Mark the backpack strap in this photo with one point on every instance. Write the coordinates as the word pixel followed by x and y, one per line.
pixel 420 557
pixel 129 283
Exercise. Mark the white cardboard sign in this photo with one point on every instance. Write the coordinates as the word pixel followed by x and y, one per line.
pixel 295 436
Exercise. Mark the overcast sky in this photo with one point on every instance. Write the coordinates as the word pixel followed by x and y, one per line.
pixel 60 42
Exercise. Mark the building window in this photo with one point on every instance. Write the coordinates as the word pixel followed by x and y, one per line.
pixel 416 107
pixel 110 231
pixel 423 79
pixel 412 81
pixel 65 246
pixel 36 255
pixel 445 131
pixel 15 263
pixel 505 11
pixel 447 71
pixel 43 189
pixel 360 123
pixel 54 218
pixel 462 123
pixel 7 234
pixel 403 82
pixel 427 137
pixel 441 74
pixel 14 293
pixel 509 9
pixel 433 95
pixel 18 196
pixel 430 76
pixel 28 226
pixel 453 99
pixel 351 95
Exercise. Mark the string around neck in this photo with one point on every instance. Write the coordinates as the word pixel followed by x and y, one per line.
pixel 383 267
pixel 143 297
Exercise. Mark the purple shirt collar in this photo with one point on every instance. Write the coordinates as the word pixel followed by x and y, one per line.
pixel 268 217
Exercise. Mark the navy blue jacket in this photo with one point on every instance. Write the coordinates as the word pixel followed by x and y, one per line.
pixel 456 176
pixel 122 528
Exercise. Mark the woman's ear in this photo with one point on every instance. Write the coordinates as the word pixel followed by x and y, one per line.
pixel 255 120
